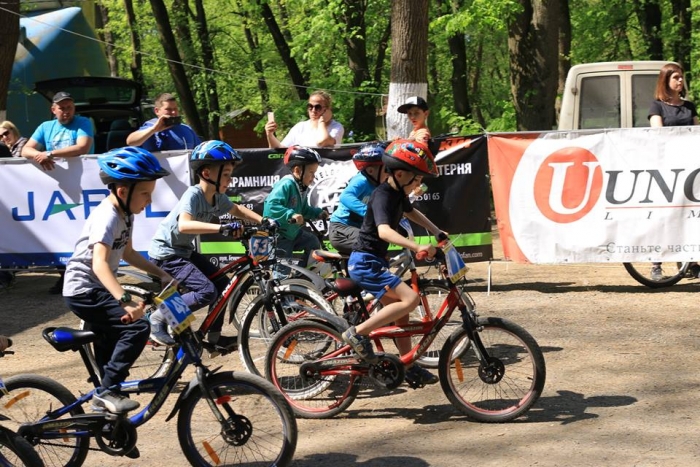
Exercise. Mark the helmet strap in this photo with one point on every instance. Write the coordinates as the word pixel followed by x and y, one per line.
pixel 300 178
pixel 124 206
pixel 216 183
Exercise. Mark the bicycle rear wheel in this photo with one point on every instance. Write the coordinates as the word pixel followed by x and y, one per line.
pixel 258 327
pixel 241 299
pixel 671 273
pixel 503 389
pixel 312 393
pixel 16 451
pixel 30 399
pixel 258 429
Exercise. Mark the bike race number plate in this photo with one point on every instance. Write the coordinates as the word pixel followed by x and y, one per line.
pixel 177 314
pixel 456 268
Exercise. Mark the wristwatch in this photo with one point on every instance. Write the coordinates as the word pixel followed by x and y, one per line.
pixel 126 298
pixel 49 154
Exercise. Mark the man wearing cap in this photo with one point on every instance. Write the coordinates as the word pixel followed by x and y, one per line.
pixel 67 135
pixel 416 109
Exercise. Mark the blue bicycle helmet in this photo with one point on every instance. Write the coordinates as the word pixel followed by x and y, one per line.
pixel 369 154
pixel 129 165
pixel 213 152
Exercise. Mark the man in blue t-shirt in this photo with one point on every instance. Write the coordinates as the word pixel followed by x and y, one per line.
pixel 166 132
pixel 68 135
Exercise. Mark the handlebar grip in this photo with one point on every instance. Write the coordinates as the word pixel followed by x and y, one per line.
pixel 442 237
pixel 292 221
pixel 421 255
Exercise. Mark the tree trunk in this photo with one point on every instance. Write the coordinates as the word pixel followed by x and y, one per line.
pixel 564 52
pixel 533 52
pixel 299 80
pixel 212 96
pixel 355 33
pixel 649 15
pixel 104 34
pixel 9 36
pixel 252 41
pixel 458 58
pixel 409 61
pixel 682 40
pixel 135 65
pixel 177 71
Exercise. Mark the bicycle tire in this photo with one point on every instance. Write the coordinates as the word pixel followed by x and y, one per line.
pixel 29 399
pixel 310 396
pixel 268 424
pixel 434 292
pixel 155 359
pixel 241 299
pixel 512 383
pixel 672 273
pixel 16 451
pixel 257 330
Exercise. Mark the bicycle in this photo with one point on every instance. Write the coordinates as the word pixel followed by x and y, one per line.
pixel 490 369
pixel 672 273
pixel 247 273
pixel 227 417
pixel 15 450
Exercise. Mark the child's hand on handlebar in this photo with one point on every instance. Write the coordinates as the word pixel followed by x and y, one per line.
pixel 297 219
pixel 134 311
pixel 324 215
pixel 425 251
pixel 234 228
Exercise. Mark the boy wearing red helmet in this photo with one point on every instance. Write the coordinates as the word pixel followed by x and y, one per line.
pixel 407 162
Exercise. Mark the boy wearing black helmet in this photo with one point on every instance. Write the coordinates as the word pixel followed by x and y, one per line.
pixel 173 247
pixel 91 289
pixel 407 162
pixel 288 203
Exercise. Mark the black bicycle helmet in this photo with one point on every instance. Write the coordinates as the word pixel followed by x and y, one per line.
pixel 299 155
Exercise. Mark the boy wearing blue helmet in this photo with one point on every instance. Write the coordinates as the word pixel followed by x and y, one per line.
pixel 91 289
pixel 173 247
pixel 347 218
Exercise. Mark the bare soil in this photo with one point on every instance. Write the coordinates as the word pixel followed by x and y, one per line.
pixel 622 374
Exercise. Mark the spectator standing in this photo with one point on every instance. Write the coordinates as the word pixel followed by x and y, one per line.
pixel 417 111
pixel 68 135
pixel 9 134
pixel 166 132
pixel 320 130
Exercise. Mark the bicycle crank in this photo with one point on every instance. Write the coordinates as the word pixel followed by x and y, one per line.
pixel 389 372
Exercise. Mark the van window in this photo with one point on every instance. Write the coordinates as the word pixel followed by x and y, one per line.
pixel 600 102
pixel 643 87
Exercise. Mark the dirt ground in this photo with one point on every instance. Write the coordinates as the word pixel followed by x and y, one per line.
pixel 622 372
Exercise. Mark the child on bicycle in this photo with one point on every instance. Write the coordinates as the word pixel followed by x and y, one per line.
pixel 347 218
pixel 91 289
pixel 407 162
pixel 173 248
pixel 288 204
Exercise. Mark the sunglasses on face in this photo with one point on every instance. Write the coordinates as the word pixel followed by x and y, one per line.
pixel 4 133
pixel 317 107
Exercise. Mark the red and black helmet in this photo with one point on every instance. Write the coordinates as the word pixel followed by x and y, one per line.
pixel 299 155
pixel 404 154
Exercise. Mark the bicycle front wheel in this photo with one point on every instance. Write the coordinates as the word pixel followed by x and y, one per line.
pixel 312 392
pixel 16 451
pixel 668 273
pixel 259 327
pixel 30 398
pixel 258 426
pixel 507 385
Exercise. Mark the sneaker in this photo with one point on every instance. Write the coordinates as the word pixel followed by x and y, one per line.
pixel 417 377
pixel 113 402
pixel 159 334
pixel 656 273
pixel 361 345
pixel 57 288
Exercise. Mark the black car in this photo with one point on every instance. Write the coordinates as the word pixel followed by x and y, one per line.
pixel 113 104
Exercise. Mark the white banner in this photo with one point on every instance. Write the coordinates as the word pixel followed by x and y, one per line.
pixel 42 213
pixel 615 195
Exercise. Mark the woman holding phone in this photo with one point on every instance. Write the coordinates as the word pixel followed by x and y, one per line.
pixel 320 130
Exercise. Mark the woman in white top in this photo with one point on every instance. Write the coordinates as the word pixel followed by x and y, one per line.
pixel 320 130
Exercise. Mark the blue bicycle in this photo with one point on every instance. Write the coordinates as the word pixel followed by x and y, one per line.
pixel 226 418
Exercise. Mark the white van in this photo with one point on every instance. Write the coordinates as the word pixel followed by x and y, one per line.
pixel 609 95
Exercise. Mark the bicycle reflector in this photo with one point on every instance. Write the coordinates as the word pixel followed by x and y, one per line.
pixel 261 246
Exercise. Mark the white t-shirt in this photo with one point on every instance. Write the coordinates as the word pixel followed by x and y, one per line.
pixel 303 134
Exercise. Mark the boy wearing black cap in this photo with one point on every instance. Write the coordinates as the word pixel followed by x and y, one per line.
pixel 416 109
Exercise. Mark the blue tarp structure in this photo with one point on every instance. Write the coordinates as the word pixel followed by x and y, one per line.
pixel 55 44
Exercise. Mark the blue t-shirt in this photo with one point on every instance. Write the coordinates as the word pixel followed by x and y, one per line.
pixel 179 136
pixel 352 207
pixel 53 135
pixel 168 240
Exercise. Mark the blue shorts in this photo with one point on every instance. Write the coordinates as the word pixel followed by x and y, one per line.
pixel 372 273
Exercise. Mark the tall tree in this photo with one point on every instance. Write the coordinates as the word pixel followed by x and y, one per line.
pixel 105 35
pixel 458 58
pixel 649 15
pixel 135 38
pixel 9 36
pixel 533 50
pixel 209 89
pixel 409 60
pixel 177 70
pixel 564 51
pixel 681 40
